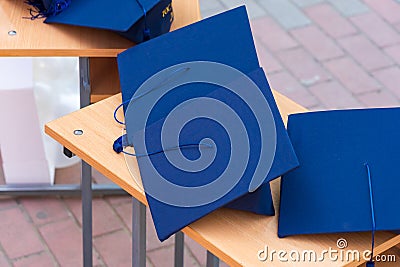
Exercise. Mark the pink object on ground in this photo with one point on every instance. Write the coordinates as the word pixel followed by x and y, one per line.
pixel 21 143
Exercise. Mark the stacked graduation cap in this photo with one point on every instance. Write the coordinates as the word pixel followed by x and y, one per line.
pixel 348 179
pixel 203 122
pixel 137 20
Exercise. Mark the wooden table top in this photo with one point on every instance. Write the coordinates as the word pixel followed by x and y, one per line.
pixel 233 236
pixel 35 38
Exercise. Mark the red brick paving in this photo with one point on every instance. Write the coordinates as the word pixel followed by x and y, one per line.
pixel 104 217
pixel 165 257
pixel 267 61
pixel 353 77
pixel 303 66
pixel 124 211
pixel 6 203
pixel 41 260
pixel 378 99
pixel 115 248
pixel 397 26
pixel 335 62
pixel 394 53
pixel 292 89
pixel 377 29
pixel 388 9
pixel 365 52
pixel 117 200
pixel 3 260
pixel 334 96
pixel 317 43
pixel 390 78
pixel 45 210
pixel 197 250
pixel 272 35
pixel 18 236
pixel 330 20
pixel 65 241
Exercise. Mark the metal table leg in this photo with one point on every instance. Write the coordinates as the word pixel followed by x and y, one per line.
pixel 87 214
pixel 86 176
pixel 60 190
pixel 179 246
pixel 212 260
pixel 138 234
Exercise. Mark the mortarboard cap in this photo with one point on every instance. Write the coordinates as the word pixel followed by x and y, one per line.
pixel 46 5
pixel 137 20
pixel 203 122
pixel 45 8
pixel 348 175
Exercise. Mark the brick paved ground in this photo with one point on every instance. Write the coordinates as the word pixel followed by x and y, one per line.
pixel 323 54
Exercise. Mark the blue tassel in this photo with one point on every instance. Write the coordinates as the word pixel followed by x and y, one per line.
pixel 146 34
pixel 146 31
pixel 371 262
pixel 120 143
pixel 38 10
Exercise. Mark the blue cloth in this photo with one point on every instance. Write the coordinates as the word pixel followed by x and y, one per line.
pixel 329 192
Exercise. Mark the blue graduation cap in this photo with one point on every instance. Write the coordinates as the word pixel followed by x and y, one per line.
pixel 348 175
pixel 204 124
pixel 137 20
pixel 49 4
